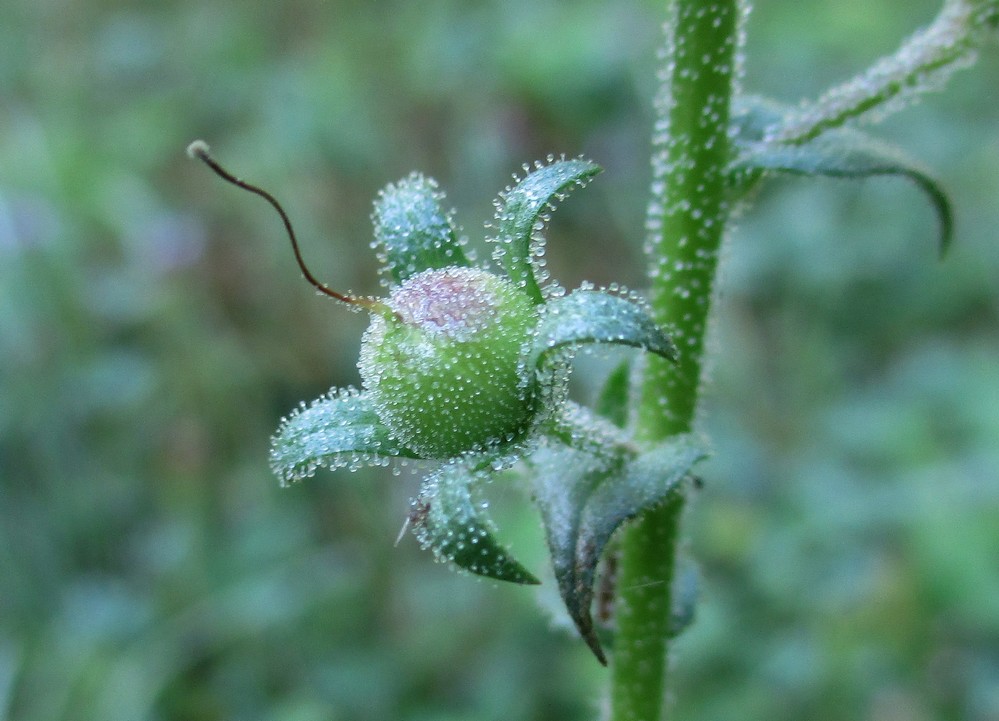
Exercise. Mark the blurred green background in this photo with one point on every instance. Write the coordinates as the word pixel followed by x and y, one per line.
pixel 153 330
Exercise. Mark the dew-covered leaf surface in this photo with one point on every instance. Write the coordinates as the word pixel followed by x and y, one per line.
pixel 584 498
pixel 840 153
pixel 412 232
pixel 449 519
pixel 590 316
pixel 337 430
pixel 522 211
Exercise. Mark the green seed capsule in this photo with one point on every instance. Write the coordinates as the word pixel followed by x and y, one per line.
pixel 446 375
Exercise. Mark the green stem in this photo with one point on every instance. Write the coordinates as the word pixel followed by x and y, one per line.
pixel 686 225
pixel 924 60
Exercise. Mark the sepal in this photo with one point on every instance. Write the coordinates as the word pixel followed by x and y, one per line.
pixel 412 232
pixel 521 213
pixel 584 498
pixel 340 429
pixel 591 316
pixel 448 519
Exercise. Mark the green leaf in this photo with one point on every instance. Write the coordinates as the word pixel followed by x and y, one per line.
pixel 612 403
pixel 412 233
pixel 590 316
pixel 449 520
pixel 337 430
pixel 840 153
pixel 522 211
pixel 686 590
pixel 585 498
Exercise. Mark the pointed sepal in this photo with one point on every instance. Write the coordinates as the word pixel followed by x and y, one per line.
pixel 591 316
pixel 338 430
pixel 449 519
pixel 522 211
pixel 584 498
pixel 412 232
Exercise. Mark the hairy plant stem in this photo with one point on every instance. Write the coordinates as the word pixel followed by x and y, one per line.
pixel 686 225
pixel 924 60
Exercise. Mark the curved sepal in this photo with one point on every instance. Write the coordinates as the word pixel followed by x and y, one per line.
pixel 591 316
pixel 338 430
pixel 412 233
pixel 448 520
pixel 839 153
pixel 584 499
pixel 522 211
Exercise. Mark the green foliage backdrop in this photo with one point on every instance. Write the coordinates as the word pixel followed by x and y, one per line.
pixel 153 329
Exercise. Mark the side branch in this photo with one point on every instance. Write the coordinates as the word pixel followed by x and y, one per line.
pixel 924 62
